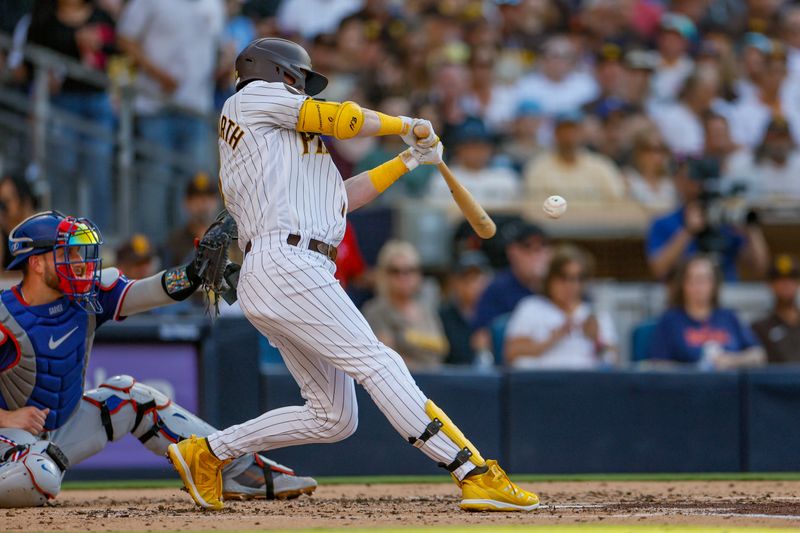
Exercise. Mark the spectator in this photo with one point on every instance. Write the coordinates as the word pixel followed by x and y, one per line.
pixel 473 148
pixel 756 49
pixel 465 285
pixel 522 145
pixel 648 177
pixel 772 173
pixel 790 31
pixel 681 122
pixel 82 31
pixel 559 329
pixel 719 146
pixel 136 257
pixel 779 332
pixel 674 39
pixel 528 251
pixel 310 18
pixel 489 99
pixel 638 73
pixel 350 264
pixel 610 75
pixel 558 86
pixel 399 319
pixel 174 47
pixel 776 97
pixel 201 204
pixel 696 330
pixel 687 231
pixel 572 171
pixel 17 203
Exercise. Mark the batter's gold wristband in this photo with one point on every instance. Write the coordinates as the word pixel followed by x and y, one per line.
pixel 391 125
pixel 384 175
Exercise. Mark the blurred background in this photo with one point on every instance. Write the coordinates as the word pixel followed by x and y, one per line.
pixel 654 327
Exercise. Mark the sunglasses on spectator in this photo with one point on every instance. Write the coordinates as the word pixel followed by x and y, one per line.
pixel 398 271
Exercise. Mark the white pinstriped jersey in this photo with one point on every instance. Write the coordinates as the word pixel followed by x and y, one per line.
pixel 271 176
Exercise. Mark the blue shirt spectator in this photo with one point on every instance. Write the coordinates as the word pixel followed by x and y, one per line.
pixel 679 337
pixel 500 297
pixel 696 329
pixel 664 229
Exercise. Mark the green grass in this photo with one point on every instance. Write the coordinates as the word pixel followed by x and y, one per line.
pixel 534 478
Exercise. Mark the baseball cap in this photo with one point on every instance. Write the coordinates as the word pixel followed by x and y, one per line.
pixel 519 231
pixel 609 52
pixel 137 249
pixel 200 184
pixel 778 125
pixel 784 266
pixel 574 116
pixel 680 24
pixel 759 41
pixel 471 260
pixel 641 60
pixel 529 108
pixel 471 130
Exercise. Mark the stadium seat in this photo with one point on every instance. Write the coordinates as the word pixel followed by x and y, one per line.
pixel 497 330
pixel 640 340
pixel 267 353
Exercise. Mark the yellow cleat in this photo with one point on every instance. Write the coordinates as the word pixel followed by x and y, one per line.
pixel 200 471
pixel 494 491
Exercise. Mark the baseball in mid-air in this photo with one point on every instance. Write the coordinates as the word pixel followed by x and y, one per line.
pixel 555 206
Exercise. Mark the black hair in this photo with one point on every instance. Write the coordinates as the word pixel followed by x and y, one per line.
pixel 23 188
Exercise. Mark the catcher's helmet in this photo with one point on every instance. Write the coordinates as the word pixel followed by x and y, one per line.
pixel 270 58
pixel 75 245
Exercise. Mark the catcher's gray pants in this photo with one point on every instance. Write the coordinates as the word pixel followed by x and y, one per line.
pixel 31 467
pixel 289 294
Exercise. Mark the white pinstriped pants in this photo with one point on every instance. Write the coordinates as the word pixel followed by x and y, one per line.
pixel 289 294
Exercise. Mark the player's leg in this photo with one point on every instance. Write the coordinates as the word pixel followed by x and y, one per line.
pixel 296 296
pixel 31 469
pixel 330 414
pixel 121 406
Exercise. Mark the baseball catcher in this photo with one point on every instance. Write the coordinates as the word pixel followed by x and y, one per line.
pixel 47 326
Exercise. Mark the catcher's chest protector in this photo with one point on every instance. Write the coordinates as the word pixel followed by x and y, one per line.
pixel 54 344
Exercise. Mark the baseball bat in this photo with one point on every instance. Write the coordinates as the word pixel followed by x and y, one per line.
pixel 477 217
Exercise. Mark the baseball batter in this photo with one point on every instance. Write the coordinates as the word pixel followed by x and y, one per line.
pixel 290 203
pixel 47 326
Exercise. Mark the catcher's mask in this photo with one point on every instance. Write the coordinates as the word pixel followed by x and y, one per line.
pixel 75 245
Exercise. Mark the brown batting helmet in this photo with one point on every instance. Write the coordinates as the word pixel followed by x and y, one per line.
pixel 270 58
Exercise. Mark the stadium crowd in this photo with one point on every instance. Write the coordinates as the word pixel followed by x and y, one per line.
pixel 679 108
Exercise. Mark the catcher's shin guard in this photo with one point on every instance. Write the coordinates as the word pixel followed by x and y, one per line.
pixel 121 406
pixel 30 474
pixel 441 422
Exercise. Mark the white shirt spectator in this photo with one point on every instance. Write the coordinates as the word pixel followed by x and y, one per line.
pixel 537 317
pixel 491 186
pixel 659 199
pixel 569 94
pixel 310 18
pixel 182 38
pixel 500 111
pixel 749 118
pixel 681 128
pixel 765 180
pixel 667 80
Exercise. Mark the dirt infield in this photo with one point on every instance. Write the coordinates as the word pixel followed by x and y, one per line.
pixel 720 503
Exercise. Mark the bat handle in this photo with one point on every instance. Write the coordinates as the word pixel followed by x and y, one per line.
pixel 421 131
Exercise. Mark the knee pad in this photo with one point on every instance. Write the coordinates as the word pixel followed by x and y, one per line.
pixel 151 416
pixel 31 474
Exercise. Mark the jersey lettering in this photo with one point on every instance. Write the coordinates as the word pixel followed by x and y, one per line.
pixel 308 138
pixel 229 131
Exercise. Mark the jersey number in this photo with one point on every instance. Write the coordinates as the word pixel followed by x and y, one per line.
pixel 308 139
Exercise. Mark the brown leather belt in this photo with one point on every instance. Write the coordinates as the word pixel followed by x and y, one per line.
pixel 314 245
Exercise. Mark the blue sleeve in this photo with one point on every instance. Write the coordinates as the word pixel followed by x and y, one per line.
pixel 661 231
pixel 486 310
pixel 9 350
pixel 111 296
pixel 659 341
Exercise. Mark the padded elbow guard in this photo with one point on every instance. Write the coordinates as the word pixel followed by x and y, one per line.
pixel 342 121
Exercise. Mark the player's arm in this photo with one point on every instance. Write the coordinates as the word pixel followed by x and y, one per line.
pixel 365 187
pixel 30 418
pixel 347 120
pixel 165 288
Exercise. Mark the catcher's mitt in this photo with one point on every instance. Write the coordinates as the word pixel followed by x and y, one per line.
pixel 217 274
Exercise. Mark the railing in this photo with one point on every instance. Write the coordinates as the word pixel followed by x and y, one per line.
pixel 31 142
